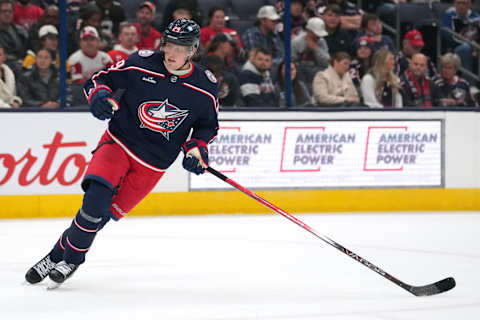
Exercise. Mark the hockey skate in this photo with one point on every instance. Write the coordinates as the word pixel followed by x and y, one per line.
pixel 62 271
pixel 40 270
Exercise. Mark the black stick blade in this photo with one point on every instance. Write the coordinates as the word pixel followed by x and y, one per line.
pixel 434 288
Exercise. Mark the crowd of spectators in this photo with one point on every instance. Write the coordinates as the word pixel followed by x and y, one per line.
pixel 340 54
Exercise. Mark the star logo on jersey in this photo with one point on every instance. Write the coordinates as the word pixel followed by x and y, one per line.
pixel 161 116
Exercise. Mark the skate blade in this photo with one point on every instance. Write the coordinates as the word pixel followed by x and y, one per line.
pixel 53 285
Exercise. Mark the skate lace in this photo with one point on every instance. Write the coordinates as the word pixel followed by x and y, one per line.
pixel 65 268
pixel 44 266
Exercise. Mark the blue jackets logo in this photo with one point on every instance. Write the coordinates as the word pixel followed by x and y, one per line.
pixel 161 116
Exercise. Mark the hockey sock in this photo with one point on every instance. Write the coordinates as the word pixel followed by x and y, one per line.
pixel 56 255
pixel 91 217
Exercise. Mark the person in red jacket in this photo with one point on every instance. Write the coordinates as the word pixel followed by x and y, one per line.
pixel 26 14
pixel 216 25
pixel 149 37
pixel 127 38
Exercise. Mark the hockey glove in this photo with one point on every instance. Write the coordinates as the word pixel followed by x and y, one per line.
pixel 196 156
pixel 103 105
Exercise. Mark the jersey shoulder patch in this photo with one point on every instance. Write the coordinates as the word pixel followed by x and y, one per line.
pixel 145 53
pixel 210 76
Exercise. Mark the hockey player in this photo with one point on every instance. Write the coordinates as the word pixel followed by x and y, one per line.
pixel 169 104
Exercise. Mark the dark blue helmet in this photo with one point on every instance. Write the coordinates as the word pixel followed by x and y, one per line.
pixel 183 32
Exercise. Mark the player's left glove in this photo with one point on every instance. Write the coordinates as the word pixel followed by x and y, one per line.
pixel 196 156
pixel 103 105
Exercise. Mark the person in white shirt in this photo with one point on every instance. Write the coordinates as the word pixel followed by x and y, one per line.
pixel 380 86
pixel 8 89
pixel 88 59
pixel 334 86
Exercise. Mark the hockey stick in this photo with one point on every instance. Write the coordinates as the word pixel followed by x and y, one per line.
pixel 427 290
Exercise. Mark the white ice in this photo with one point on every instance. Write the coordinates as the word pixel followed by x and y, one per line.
pixel 250 267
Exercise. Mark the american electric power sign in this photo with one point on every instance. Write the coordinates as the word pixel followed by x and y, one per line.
pixel 326 154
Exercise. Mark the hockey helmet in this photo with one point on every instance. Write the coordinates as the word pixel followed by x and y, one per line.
pixel 184 32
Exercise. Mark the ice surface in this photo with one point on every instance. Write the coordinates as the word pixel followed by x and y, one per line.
pixel 250 267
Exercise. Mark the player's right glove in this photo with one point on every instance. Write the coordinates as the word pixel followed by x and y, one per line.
pixel 103 105
pixel 196 156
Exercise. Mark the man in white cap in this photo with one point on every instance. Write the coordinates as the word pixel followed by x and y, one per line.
pixel 310 50
pixel 264 35
pixel 88 59
pixel 48 36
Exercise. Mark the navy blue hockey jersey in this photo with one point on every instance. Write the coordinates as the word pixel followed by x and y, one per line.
pixel 158 110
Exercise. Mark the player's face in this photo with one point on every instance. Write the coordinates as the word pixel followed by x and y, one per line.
pixel 175 55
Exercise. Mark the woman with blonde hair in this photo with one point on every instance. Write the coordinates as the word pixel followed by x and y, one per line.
pixel 380 86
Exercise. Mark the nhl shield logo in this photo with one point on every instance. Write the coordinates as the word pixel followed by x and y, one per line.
pixel 161 116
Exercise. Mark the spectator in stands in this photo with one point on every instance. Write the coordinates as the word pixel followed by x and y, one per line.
pixel 216 25
pixel 333 86
pixel 264 35
pixel 228 87
pixel 224 46
pixel 255 80
pixel 112 15
pixel 88 60
pixel 350 14
pixel 455 91
pixel 297 16
pixel 417 89
pixel 337 39
pixel 50 17
pixel 372 28
pixel 310 50
pixel 91 15
pixel 380 86
pixel 463 20
pixel 39 86
pixel 149 36
pixel 74 6
pixel 48 36
pixel 362 62
pixel 25 14
pixel 8 90
pixel 13 38
pixel 300 95
pixel 127 38
pixel 190 6
pixel 412 44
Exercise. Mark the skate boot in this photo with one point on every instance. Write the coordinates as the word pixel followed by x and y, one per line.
pixel 62 272
pixel 40 270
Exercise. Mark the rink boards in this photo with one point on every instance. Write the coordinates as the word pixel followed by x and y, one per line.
pixel 300 161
